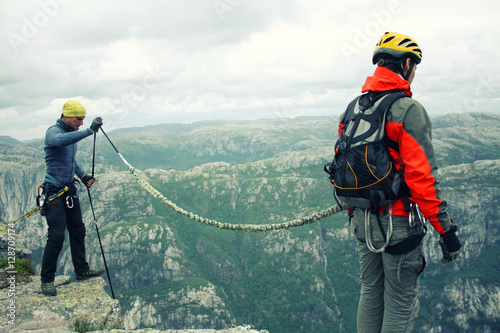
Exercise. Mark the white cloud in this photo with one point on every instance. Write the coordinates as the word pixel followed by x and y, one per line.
pixel 151 62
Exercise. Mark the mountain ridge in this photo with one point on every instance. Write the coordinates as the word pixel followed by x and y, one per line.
pixel 302 279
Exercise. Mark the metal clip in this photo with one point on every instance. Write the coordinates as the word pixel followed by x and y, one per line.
pixel 411 217
pixel 68 199
pixel 415 217
pixel 40 198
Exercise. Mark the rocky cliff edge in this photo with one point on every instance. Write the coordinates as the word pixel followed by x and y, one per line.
pixel 78 307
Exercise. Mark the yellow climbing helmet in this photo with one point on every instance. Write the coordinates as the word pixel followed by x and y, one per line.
pixel 397 46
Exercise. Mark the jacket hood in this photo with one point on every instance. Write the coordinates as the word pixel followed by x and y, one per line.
pixel 384 79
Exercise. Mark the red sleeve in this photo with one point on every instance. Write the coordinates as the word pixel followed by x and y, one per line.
pixel 410 126
pixel 339 131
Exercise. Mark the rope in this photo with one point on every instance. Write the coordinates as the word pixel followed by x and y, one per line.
pixel 229 226
pixel 11 224
pixel 36 209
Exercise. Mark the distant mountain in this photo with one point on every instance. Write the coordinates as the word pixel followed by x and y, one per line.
pixel 173 129
pixel 8 139
pixel 170 272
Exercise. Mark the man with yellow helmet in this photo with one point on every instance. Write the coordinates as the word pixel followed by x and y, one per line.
pixel 64 211
pixel 393 49
pixel 389 281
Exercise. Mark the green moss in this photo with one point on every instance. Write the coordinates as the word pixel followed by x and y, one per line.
pixel 82 325
pixel 22 267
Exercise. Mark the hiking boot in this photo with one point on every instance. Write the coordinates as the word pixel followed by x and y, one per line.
pixel 49 289
pixel 90 274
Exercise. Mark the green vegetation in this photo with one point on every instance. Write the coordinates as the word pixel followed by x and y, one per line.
pixel 83 325
pixel 22 268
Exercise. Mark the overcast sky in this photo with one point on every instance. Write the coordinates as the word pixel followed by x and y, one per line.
pixel 145 62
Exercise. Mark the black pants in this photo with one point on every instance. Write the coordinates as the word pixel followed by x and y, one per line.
pixel 59 218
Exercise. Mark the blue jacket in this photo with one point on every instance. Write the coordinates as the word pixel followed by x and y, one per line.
pixel 60 151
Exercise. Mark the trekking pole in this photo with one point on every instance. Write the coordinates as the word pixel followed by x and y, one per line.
pixel 96 227
pixel 116 150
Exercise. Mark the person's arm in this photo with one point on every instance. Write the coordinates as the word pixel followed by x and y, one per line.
pixel 420 167
pixel 418 164
pixel 57 138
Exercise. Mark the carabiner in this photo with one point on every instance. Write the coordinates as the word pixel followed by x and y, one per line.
pixel 411 217
pixel 68 198
pixel 40 198
pixel 415 217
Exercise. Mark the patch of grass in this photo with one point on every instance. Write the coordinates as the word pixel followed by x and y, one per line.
pixel 22 267
pixel 83 325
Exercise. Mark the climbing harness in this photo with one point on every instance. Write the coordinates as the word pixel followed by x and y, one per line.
pixel 39 206
pixel 416 221
pixel 228 226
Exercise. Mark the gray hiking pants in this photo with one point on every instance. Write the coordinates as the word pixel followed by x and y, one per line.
pixel 389 283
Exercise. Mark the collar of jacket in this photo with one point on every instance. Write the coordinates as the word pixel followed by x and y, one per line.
pixel 384 79
pixel 64 126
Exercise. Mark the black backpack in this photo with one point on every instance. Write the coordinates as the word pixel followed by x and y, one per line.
pixel 362 170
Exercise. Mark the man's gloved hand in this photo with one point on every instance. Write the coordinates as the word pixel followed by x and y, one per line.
pixel 450 245
pixel 88 180
pixel 96 124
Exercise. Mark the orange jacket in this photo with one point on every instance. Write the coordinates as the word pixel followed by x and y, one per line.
pixel 408 125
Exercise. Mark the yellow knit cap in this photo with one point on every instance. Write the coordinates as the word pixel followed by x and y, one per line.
pixel 73 109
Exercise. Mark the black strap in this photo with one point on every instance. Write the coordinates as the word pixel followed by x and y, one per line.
pixel 409 244
pixel 393 144
pixel 379 113
pixel 391 98
pixel 349 111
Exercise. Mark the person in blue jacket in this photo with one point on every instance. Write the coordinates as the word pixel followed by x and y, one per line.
pixel 63 212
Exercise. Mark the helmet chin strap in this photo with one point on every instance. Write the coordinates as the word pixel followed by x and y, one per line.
pixel 383 62
pixel 407 75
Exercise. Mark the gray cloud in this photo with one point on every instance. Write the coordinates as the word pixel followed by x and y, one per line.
pixel 185 60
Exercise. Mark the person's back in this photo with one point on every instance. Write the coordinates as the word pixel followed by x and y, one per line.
pixel 389 236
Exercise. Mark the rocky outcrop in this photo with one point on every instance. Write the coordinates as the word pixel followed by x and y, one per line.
pixel 190 310
pixel 76 305
pixel 236 329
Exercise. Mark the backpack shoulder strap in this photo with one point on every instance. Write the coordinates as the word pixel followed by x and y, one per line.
pixel 384 107
pixel 349 113
pixel 379 115
pixel 389 99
